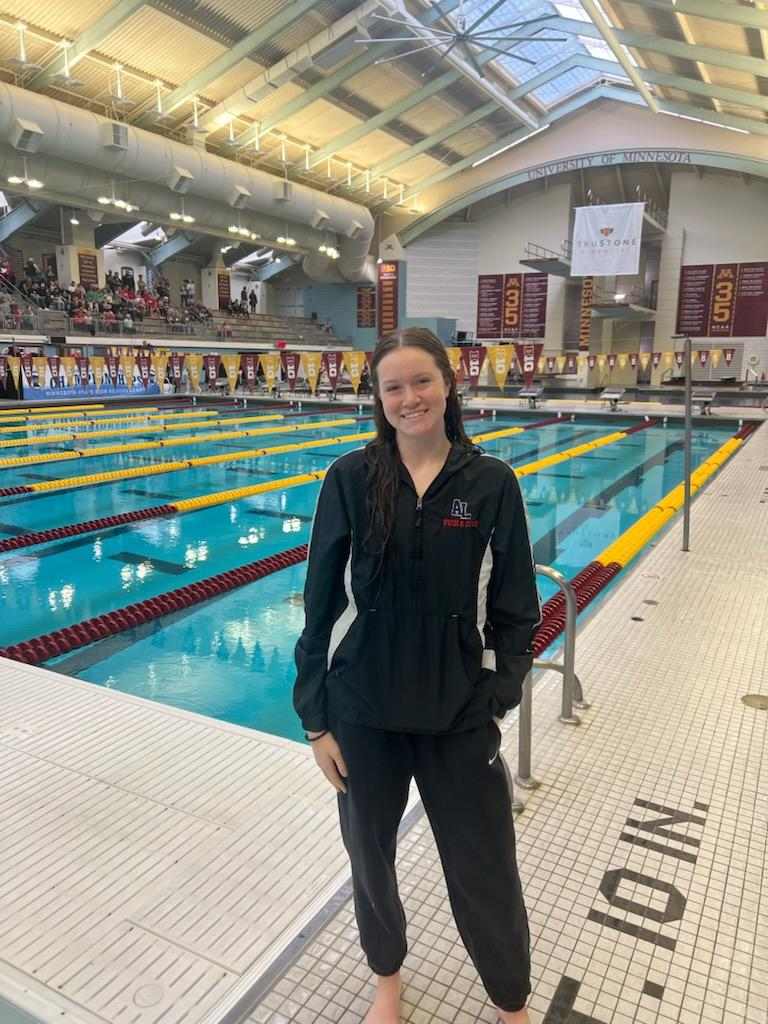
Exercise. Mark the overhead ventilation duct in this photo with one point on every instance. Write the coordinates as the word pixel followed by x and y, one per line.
pixel 240 197
pixel 319 219
pixel 81 154
pixel 26 136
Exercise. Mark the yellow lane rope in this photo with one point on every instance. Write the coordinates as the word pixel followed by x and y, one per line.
pixel 126 420
pixel 633 540
pixel 122 431
pixel 33 410
pixel 206 460
pixel 67 414
pixel 138 446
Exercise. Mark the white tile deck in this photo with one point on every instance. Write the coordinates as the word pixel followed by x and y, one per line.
pixel 154 863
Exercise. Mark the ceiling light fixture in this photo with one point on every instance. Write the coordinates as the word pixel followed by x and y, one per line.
pixel 182 215
pixel 21 62
pixel 25 179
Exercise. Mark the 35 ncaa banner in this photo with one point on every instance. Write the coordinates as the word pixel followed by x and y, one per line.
pixel 606 240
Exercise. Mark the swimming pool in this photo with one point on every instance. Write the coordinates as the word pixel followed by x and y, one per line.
pixel 232 657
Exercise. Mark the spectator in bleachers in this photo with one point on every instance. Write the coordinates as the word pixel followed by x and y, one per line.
pixel 253 301
pixel 243 296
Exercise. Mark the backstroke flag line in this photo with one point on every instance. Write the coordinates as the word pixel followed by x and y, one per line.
pixel 606 240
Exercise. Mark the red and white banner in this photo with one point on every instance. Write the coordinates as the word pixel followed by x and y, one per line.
pixel 142 360
pixel 570 362
pixel 249 363
pixel 211 368
pixel 612 357
pixel 291 362
pixel 113 364
pixel 332 367
pixel 3 371
pixel 551 364
pixel 54 371
pixel 177 366
pixel 472 363
pixel 656 359
pixel 703 356
pixel 633 360
pixel 81 362
pixel 591 361
pixel 679 356
pixel 728 354
pixel 528 357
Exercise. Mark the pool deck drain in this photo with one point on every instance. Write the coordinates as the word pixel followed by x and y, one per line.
pixel 156 864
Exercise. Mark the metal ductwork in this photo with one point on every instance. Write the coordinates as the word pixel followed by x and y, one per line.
pixel 81 154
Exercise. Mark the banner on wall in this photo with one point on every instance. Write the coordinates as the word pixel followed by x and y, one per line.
pixel 585 313
pixel 14 364
pixel 142 361
pixel 211 368
pixel 97 366
pixel 490 291
pixel 223 290
pixel 82 372
pixel 570 363
pixel 679 356
pixel 388 297
pixel 159 362
pixel 291 362
pixel 656 359
pixel 331 364
pixel 194 369
pixel 68 369
pixel 633 359
pixel 728 354
pixel 112 367
pixel 500 357
pixel 723 300
pixel 703 354
pixel 177 366
pixel 591 360
pixel 366 306
pixel 270 364
pixel 606 240
pixel 310 362
pixel 354 363
pixel 231 362
pixel 611 360
pixel 27 369
pixel 550 364
pixel 3 371
pixel 472 362
pixel 528 356
pixel 454 357
pixel 41 372
pixel 249 363
pixel 512 305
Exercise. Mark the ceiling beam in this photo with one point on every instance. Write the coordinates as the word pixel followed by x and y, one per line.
pixel 106 233
pixel 176 243
pixel 327 85
pixel 452 128
pixel 715 10
pixel 89 39
pixel 606 30
pixel 669 47
pixel 23 213
pixel 234 54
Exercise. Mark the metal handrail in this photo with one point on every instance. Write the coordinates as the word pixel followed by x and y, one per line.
pixel 572 692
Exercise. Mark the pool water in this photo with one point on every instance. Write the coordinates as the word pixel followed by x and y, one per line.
pixel 232 657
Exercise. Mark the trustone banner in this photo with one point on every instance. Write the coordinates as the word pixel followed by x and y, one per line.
pixel 606 240
pixel 270 364
pixel 310 363
pixel 353 364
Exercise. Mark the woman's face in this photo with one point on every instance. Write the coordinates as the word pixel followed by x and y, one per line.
pixel 413 392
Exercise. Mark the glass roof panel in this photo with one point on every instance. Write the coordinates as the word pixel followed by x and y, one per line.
pixel 547 46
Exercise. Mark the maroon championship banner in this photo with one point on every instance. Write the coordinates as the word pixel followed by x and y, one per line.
pixel 3 371
pixel 113 364
pixel 751 314
pixel 388 274
pixel 694 300
pixel 490 289
pixel 528 358
pixel 291 364
pixel 88 269
pixel 331 363
pixel 177 365
pixel 703 355
pixel 81 362
pixel 533 318
pixel 472 360
pixel 211 368
pixel 512 307
pixel 248 363
pixel 725 300
pixel 223 289
pixel 723 305
pixel 366 306
pixel 142 361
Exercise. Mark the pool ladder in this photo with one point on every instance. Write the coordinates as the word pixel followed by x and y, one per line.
pixel 572 693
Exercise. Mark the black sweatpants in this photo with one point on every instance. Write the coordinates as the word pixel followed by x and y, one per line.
pixel 465 792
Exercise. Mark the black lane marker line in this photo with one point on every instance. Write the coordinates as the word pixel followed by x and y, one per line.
pixel 274 514
pixel 544 547
pixel 11 528
pixel 556 446
pixel 135 558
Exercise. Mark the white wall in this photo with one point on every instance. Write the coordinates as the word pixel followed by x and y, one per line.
pixel 444 264
pixel 715 218
pixel 115 259
pixel 284 300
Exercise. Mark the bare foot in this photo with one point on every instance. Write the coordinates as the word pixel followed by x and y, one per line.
pixel 513 1017
pixel 386 1004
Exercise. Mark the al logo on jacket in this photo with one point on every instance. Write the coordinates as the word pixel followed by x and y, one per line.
pixel 460 516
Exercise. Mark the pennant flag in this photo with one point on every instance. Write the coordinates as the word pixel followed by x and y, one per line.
pixel 454 357
pixel 354 363
pixel 27 369
pixel 112 365
pixel 142 360
pixel 591 360
pixel 249 364
pixel 211 365
pixel 645 359
pixel 656 358
pixel 500 357
pixel 67 364
pixel 41 366
pixel 331 364
pixel 160 366
pixel 560 363
pixel 622 360
pixel 292 363
pixel 703 356
pixel 679 358
pixel 472 360
pixel 81 364
pixel 633 360
pixel 177 366
pixel 194 368
pixel 310 362
pixel 611 357
pixel 14 362
pixel 231 363
pixel 550 364
pixel 3 371
pixel 270 364
pixel 601 361
pixel 97 365
pixel 528 356
pixel 714 357
pixel 570 362
pixel 728 354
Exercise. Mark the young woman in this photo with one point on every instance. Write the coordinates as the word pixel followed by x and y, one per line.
pixel 420 607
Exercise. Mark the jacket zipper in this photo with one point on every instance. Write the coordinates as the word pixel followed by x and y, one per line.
pixel 419 540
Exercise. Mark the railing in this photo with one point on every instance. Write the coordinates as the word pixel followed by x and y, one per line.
pixel 534 251
pixel 572 693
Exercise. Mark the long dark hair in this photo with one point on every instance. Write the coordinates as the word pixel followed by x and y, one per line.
pixel 382 455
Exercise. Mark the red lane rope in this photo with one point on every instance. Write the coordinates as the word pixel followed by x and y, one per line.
pixel 24 540
pixel 62 641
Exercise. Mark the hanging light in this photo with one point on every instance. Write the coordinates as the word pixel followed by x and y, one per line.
pixel 64 77
pixel 182 215
pixel 27 179
pixel 73 218
pixel 21 61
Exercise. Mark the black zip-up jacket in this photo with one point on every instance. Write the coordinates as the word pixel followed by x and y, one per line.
pixel 437 639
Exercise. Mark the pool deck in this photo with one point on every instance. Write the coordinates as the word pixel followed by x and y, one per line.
pixel 158 866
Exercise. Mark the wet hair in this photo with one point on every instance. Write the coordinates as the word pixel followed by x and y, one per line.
pixel 382 455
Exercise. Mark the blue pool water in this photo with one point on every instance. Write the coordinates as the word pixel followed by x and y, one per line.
pixel 232 658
